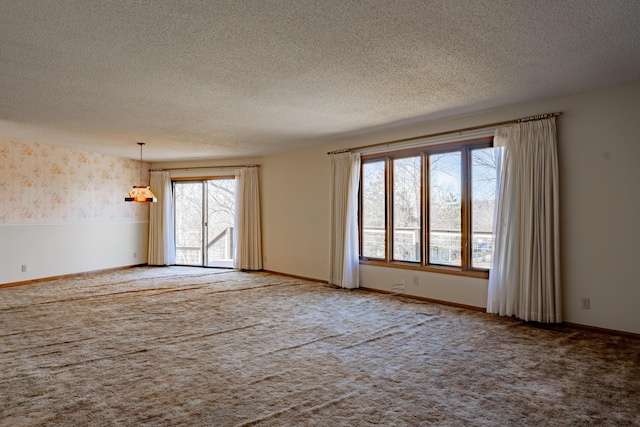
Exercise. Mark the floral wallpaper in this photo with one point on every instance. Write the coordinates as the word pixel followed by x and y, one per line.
pixel 45 184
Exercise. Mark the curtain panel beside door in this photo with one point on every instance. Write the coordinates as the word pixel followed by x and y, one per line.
pixel 162 249
pixel 248 222
pixel 344 257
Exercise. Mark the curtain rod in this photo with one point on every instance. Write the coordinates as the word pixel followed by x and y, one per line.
pixel 448 132
pixel 205 167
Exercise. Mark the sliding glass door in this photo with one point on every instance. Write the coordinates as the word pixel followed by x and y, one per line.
pixel 221 212
pixel 188 220
pixel 204 222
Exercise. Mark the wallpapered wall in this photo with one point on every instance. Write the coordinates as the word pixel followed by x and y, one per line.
pixel 45 184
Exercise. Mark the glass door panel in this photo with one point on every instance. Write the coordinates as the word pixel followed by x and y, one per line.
pixel 204 222
pixel 445 213
pixel 221 201
pixel 407 217
pixel 188 222
pixel 373 210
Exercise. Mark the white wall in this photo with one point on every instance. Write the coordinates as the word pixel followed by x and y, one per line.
pixel 599 154
pixel 599 147
pixel 58 249
pixel 468 291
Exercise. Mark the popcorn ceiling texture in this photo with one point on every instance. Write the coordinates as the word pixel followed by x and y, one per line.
pixel 204 79
pixel 45 184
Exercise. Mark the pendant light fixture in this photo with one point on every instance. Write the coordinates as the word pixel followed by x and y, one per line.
pixel 141 193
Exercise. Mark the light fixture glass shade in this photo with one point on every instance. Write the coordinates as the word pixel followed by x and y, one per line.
pixel 141 193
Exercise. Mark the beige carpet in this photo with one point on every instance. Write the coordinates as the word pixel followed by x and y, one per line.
pixel 179 346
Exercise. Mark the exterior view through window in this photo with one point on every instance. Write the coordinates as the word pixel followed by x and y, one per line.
pixel 483 198
pixel 430 207
pixel 445 209
pixel 406 209
pixel 372 210
pixel 204 222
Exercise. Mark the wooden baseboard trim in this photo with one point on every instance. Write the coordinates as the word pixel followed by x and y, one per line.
pixel 435 301
pixel 483 310
pixel 605 331
pixel 296 277
pixel 66 276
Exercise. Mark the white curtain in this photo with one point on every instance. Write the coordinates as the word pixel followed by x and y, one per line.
pixel 248 235
pixel 345 180
pixel 524 280
pixel 162 249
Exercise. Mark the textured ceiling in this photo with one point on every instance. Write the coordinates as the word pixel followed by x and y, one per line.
pixel 217 79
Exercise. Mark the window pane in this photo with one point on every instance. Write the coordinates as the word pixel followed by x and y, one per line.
pixel 445 214
pixel 221 205
pixel 373 210
pixel 188 222
pixel 483 197
pixel 406 209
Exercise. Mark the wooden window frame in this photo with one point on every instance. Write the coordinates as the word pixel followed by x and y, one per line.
pixel 465 148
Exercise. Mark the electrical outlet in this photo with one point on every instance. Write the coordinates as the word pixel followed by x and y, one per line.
pixel 135 255
pixel 416 280
pixel 24 268
pixel 586 303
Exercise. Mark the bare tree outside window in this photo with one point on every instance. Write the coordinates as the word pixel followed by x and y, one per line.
pixel 221 203
pixel 373 210
pixel 483 199
pixel 455 187
pixel 205 240
pixel 445 213
pixel 406 209
pixel 188 222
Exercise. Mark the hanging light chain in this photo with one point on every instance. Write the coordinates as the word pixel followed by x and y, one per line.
pixel 141 144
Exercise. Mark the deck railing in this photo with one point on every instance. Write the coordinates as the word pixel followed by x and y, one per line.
pixel 219 248
pixel 444 246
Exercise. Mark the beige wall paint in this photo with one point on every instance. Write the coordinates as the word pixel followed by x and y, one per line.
pixel 204 164
pixel 295 190
pixel 599 147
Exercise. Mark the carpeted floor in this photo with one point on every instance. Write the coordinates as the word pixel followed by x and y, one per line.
pixel 179 346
